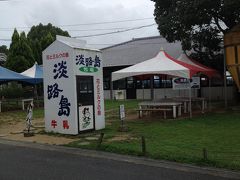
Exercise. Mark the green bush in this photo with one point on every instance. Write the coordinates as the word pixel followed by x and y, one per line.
pixel 11 91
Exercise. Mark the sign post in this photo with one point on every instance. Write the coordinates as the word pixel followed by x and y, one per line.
pixel 122 117
pixel 183 83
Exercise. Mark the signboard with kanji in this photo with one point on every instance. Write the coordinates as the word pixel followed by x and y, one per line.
pixel 183 83
pixel 65 60
pixel 86 118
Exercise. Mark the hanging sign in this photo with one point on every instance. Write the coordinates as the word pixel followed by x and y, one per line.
pixel 183 83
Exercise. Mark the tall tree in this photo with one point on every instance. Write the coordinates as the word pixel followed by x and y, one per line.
pixel 198 24
pixel 41 36
pixel 20 55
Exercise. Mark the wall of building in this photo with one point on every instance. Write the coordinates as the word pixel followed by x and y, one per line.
pixel 216 93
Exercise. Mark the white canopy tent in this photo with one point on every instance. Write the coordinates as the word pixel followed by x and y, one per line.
pixel 160 64
pixel 36 75
pixel 35 72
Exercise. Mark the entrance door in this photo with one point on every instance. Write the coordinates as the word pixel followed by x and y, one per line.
pixel 131 88
pixel 85 100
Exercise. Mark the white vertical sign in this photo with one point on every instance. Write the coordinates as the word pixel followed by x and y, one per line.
pixel 122 112
pixel 58 97
pixel 86 118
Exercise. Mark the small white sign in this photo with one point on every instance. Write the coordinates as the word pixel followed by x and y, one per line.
pixel 122 112
pixel 85 118
pixel 183 83
pixel 195 83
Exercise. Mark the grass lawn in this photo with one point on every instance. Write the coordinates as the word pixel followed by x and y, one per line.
pixel 176 140
pixel 114 105
pixel 179 140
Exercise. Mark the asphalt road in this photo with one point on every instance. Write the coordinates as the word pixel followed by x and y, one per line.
pixel 26 162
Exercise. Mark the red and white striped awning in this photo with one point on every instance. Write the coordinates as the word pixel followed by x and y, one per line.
pixel 205 70
pixel 163 63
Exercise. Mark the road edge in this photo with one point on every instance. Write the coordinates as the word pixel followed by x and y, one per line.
pixel 129 159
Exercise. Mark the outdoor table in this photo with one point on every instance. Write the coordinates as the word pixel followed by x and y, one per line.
pixel 25 100
pixel 186 104
pixel 157 104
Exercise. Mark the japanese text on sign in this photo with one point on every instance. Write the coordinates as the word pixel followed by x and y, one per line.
pixel 98 97
pixel 64 124
pixel 56 92
pixel 88 64
pixel 88 61
pixel 57 55
pixel 60 70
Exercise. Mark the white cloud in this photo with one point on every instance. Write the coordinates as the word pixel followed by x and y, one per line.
pixel 18 13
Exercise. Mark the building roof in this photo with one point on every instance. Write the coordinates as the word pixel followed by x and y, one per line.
pixel 74 43
pixel 138 50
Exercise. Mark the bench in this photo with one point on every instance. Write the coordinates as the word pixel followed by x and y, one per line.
pixel 151 110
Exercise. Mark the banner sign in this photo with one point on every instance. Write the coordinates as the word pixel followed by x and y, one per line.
pixel 183 83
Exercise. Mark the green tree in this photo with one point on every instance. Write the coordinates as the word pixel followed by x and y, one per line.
pixel 20 55
pixel 198 24
pixel 41 36
pixel 4 49
pixel 46 41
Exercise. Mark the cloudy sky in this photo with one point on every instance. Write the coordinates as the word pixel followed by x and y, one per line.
pixel 81 18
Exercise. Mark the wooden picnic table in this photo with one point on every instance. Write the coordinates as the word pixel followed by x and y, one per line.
pixel 148 105
pixel 186 102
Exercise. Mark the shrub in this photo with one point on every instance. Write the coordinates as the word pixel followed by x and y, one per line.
pixel 13 90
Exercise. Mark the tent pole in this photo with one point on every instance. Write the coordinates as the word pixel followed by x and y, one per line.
pixel 225 78
pixel 111 88
pixel 190 99
pixel 209 96
pixel 165 79
pixel 151 84
pixel 143 88
pixel 35 93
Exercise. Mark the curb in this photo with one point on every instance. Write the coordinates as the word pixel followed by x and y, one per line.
pixel 128 159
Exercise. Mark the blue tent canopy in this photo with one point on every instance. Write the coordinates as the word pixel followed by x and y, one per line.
pixel 35 73
pixel 8 75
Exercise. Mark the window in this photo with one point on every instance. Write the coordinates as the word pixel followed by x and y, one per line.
pixel 85 85
pixel 106 83
pixel 146 84
pixel 139 84
pixel 156 82
pixel 120 84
